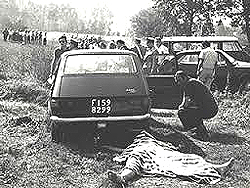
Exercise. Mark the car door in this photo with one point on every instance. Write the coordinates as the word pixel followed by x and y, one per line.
pixel 188 62
pixel 164 92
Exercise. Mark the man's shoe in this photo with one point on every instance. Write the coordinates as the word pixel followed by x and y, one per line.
pixel 202 133
pixel 201 137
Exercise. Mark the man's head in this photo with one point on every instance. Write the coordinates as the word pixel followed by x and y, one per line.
pixel 103 45
pixel 205 44
pixel 137 40
pixel 150 42
pixel 63 41
pixel 120 43
pixel 181 77
pixel 157 41
pixel 73 44
pixel 112 45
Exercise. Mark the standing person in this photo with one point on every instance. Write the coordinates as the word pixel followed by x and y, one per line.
pixel 151 57
pixel 121 45
pixel 102 45
pixel 45 38
pixel 40 38
pixel 138 48
pixel 32 38
pixel 198 103
pixel 73 44
pixel 162 50
pixel 58 52
pixel 5 34
pixel 112 45
pixel 28 36
pixel 207 63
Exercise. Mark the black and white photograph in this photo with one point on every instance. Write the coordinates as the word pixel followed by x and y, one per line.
pixel 124 94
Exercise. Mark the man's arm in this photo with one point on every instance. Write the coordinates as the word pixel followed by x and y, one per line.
pixel 200 62
pixel 54 62
pixel 199 66
pixel 154 61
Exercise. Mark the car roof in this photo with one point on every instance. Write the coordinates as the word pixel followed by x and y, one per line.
pixel 199 39
pixel 196 51
pixel 229 57
pixel 98 51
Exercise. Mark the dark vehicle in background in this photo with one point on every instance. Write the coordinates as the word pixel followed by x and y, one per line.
pixel 98 87
pixel 165 93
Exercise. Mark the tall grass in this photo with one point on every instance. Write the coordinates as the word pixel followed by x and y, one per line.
pixel 24 70
pixel 25 61
pixel 234 111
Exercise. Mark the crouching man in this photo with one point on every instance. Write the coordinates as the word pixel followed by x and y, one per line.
pixel 198 103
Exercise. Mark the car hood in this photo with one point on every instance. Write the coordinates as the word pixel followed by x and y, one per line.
pixel 89 86
pixel 242 64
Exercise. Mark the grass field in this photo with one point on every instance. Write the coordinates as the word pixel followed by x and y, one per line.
pixel 28 157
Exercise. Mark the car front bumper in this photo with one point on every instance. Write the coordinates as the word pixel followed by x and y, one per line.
pixel 102 119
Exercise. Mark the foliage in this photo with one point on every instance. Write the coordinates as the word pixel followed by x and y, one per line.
pixel 194 17
pixel 10 16
pixel 99 21
pixel 238 11
pixel 148 23
pixel 55 17
pixel 186 17
pixel 35 62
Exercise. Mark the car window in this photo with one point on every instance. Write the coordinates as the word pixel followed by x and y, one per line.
pixel 180 46
pixel 231 46
pixel 99 63
pixel 188 59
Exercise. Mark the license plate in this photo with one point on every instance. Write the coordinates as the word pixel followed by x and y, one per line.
pixel 100 106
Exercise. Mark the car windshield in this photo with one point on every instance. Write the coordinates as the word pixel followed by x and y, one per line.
pixel 99 63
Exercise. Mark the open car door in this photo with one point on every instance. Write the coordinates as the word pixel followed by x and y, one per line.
pixel 164 92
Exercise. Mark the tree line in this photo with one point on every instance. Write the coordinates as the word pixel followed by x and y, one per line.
pixel 53 17
pixel 191 17
pixel 165 18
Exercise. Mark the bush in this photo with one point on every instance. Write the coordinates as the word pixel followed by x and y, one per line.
pixel 24 70
pixel 25 61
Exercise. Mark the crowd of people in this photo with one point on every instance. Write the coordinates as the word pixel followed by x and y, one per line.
pixel 150 53
pixel 25 36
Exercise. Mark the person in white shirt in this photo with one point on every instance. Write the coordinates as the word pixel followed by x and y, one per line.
pixel 164 56
pixel 207 63
pixel 160 47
